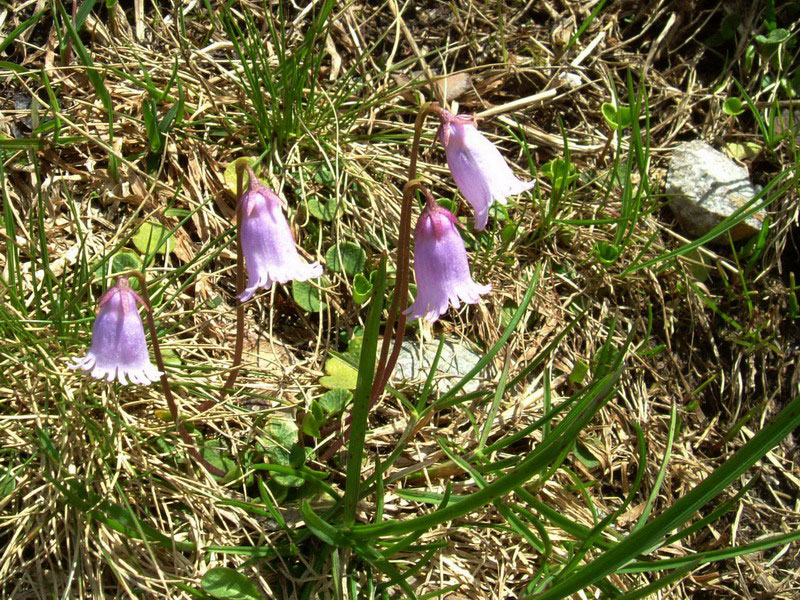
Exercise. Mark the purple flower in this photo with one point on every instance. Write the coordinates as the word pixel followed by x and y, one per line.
pixel 118 350
pixel 479 169
pixel 441 266
pixel 267 242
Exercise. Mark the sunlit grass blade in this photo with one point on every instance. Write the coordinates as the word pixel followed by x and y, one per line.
pixel 652 534
pixel 361 397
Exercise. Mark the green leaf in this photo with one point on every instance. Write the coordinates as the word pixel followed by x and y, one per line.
pixel 579 371
pixel 340 375
pixel 7 483
pixel 618 117
pixel 323 176
pixel 775 37
pixel 124 260
pixel 230 173
pixel 732 106
pixel 227 584
pixel 214 453
pixel 585 455
pixel 742 151
pixel 346 257
pixel 333 401
pixel 508 233
pixel 153 238
pixel 324 211
pixel 606 253
pixel 726 32
pixel 279 447
pixel 448 204
pixel 171 357
pixel 312 420
pixel 559 172
pixel 154 136
pixel 307 296
pixel 362 289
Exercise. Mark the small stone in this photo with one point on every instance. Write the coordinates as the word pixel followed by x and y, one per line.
pixel 705 187
pixel 455 362
pixel 571 80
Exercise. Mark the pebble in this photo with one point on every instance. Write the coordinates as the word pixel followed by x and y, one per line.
pixel 705 186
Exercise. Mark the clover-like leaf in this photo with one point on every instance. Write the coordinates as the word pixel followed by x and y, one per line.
pixel 324 211
pixel 333 401
pixel 362 289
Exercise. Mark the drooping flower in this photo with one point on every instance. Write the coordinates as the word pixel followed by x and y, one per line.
pixel 440 266
pixel 119 350
pixel 267 242
pixel 480 171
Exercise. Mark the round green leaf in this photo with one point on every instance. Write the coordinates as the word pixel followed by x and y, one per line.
pixel 448 204
pixel 618 117
pixel 559 172
pixel 227 584
pixel 333 401
pixel 324 211
pixel 339 375
pixel 742 151
pixel 732 106
pixel 346 257
pixel 777 36
pixel 307 296
pixel 125 260
pixel 153 238
pixel 280 441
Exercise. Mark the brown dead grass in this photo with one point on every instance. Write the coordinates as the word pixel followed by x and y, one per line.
pixel 509 52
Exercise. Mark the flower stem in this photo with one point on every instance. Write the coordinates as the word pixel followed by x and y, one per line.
pixel 396 320
pixel 173 408
pixel 239 344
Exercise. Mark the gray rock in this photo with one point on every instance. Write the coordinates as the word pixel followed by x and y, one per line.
pixel 456 361
pixel 704 187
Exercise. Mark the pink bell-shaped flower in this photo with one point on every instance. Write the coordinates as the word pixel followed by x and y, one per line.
pixel 267 242
pixel 441 266
pixel 480 171
pixel 119 350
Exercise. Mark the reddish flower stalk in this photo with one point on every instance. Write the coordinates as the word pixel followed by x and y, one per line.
pixel 173 408
pixel 396 321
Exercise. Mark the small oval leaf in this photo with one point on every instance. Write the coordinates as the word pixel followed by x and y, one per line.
pixel 307 296
pixel 732 107
pixel 228 584
pixel 153 238
pixel 346 257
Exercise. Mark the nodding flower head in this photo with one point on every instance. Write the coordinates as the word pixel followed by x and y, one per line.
pixel 440 266
pixel 267 242
pixel 480 171
pixel 119 350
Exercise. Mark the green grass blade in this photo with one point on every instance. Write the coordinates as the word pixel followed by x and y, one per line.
pixel 561 437
pixel 652 534
pixel 361 397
